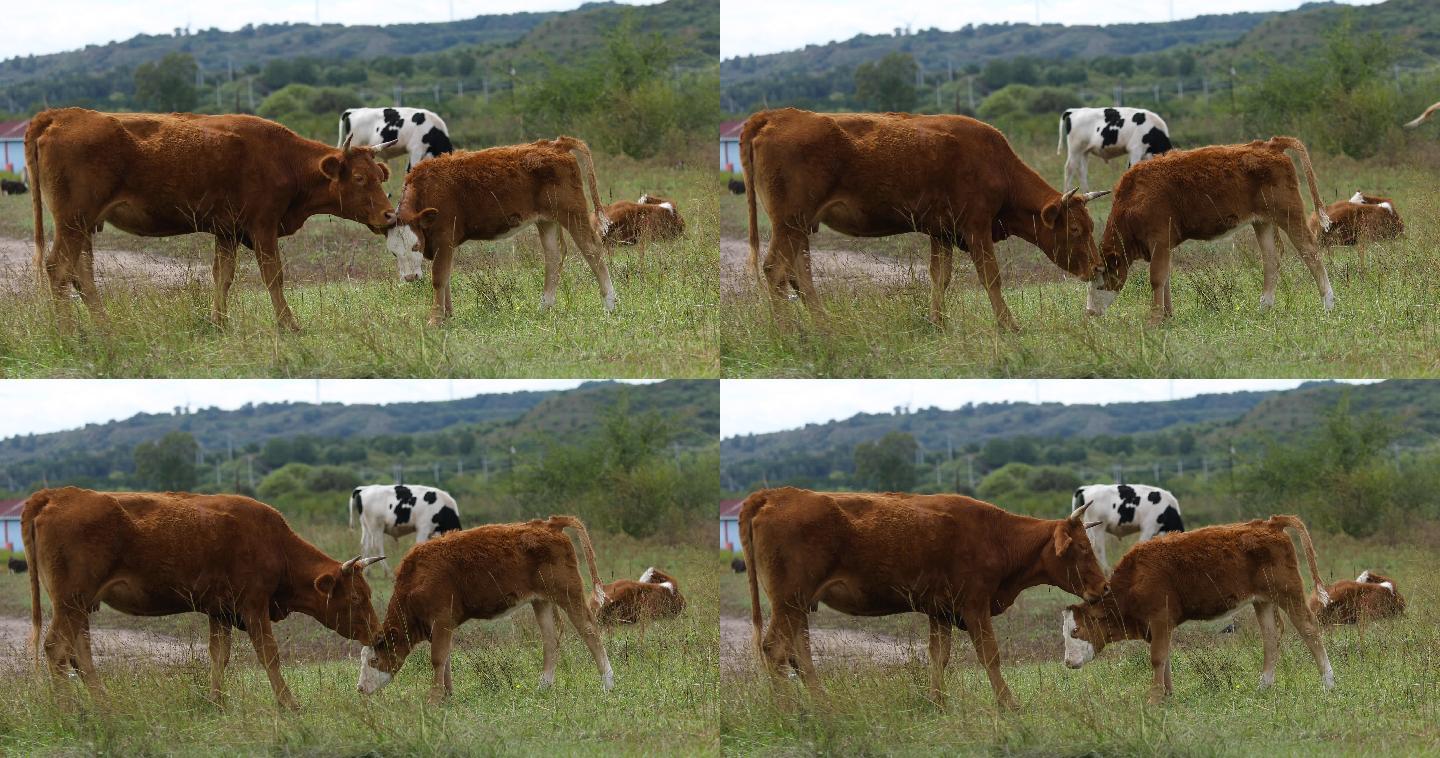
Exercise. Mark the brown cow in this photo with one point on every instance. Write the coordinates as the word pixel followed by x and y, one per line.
pixel 492 194
pixel 958 561
pixel 650 218
pixel 483 573
pixel 1199 575
pixel 654 595
pixel 1358 221
pixel 159 553
pixel 878 174
pixel 1370 596
pixel 244 179
pixel 1203 194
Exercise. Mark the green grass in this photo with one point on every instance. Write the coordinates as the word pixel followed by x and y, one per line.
pixel 359 320
pixel 1387 674
pixel 663 701
pixel 1384 322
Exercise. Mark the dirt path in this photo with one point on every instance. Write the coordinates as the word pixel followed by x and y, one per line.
pixel 16 274
pixel 828 266
pixel 830 646
pixel 109 646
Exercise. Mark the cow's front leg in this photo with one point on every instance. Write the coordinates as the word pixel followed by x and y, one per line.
pixel 1159 661
pixel 272 273
pixel 982 635
pixel 263 638
pixel 440 280
pixel 219 658
pixel 942 262
pixel 223 272
pixel 441 639
pixel 1159 281
pixel 982 254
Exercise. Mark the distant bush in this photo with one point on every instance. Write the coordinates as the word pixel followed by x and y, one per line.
pixel 298 489
pixel 1043 491
pixel 313 112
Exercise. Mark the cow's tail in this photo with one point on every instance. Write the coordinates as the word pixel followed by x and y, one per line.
pixel 587 165
pixel 570 522
pixel 1290 143
pixel 1294 522
pixel 32 159
pixel 32 508
pixel 747 166
pixel 748 510
pixel 353 505
pixel 1061 144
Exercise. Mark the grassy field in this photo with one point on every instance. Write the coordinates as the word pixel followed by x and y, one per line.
pixel 1384 703
pixel 1384 322
pixel 663 701
pixel 359 320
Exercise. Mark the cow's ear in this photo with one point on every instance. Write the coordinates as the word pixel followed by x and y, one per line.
pixel 325 583
pixel 1062 538
pixel 1050 214
pixel 330 166
pixel 425 218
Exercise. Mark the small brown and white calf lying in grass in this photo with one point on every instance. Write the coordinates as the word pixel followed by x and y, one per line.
pixel 655 595
pixel 484 573
pixel 650 218
pixel 1371 596
pixel 1358 221
pixel 1200 575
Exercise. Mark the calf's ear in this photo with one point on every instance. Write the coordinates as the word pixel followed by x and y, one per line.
pixel 425 218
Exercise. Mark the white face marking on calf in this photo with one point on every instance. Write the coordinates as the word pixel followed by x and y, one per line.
pixel 1388 586
pixel 1387 207
pixel 668 206
pixel 648 575
pixel 671 587
pixel 371 678
pixel 401 240
pixel 1358 198
pixel 1097 299
pixel 644 199
pixel 1364 576
pixel 1078 652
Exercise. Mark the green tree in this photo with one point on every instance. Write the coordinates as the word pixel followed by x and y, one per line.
pixel 887 464
pixel 167 463
pixel 887 84
pixel 167 84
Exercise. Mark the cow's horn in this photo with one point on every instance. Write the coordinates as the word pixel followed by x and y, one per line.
pixel 348 565
pixel 1093 524
pixel 364 562
pixel 1075 514
pixel 387 150
pixel 1088 196
pixel 1065 198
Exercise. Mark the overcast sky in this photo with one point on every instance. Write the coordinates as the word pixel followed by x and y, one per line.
pixel 769 405
pixel 754 27
pixel 51 26
pixel 52 405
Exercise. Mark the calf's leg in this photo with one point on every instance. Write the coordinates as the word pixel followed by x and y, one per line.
pixel 580 619
pixel 546 613
pixel 1270 258
pixel 1300 237
pixel 1270 636
pixel 940 636
pixel 442 637
pixel 594 254
pixel 977 621
pixel 219 658
pixel 554 254
pixel 440 281
pixel 1159 281
pixel 1305 626
pixel 1160 632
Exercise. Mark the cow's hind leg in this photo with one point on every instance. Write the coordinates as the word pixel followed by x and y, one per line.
pixel 60 268
pixel 545 616
pixel 1304 621
pixel 940 637
pixel 942 263
pixel 219 658
pixel 982 635
pixel 1270 637
pixel 784 646
pixel 787 254
pixel 1270 259
pixel 1299 236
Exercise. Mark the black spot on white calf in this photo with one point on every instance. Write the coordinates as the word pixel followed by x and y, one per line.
pixel 437 142
pixel 405 502
pixel 1156 141
pixel 1110 132
pixel 445 520
pixel 418 118
pixel 1138 118
pixel 1169 520
pixel 1129 499
pixel 430 497
pixel 1154 496
pixel 393 122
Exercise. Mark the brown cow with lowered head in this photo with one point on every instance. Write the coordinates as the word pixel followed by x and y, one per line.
pixel 650 218
pixel 483 573
pixel 1204 194
pixel 159 553
pixel 958 561
pixel 1371 596
pixel 492 194
pixel 654 595
pixel 1201 575
pixel 244 179
pixel 878 174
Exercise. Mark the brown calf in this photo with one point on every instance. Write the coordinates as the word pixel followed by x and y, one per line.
pixel 1371 596
pixel 878 174
pixel 492 194
pixel 1199 575
pixel 655 595
pixel 483 573
pixel 245 180
pixel 1358 221
pixel 159 553
pixel 958 561
pixel 650 218
pixel 1203 194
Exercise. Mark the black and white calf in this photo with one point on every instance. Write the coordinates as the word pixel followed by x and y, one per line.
pixel 1109 133
pixel 1123 509
pixel 421 133
pixel 400 509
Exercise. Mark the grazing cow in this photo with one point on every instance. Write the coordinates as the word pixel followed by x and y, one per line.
pixel 17 565
pixel 1205 574
pixel 420 133
pixel 492 194
pixel 737 186
pixel 1422 118
pixel 398 510
pixel 12 187
pixel 1203 194
pixel 1358 221
pixel 245 180
pixel 737 565
pixel 649 218
pixel 873 175
pixel 958 561
pixel 1371 596
pixel 1124 509
pixel 655 595
pixel 483 573
pixel 1109 133
pixel 159 553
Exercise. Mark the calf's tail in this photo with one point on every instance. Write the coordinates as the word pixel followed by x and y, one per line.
pixel 570 522
pixel 32 508
pixel 587 166
pixel 1290 143
pixel 1293 522
pixel 748 510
